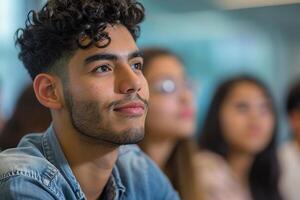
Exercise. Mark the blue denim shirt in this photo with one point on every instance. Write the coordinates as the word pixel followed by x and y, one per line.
pixel 38 169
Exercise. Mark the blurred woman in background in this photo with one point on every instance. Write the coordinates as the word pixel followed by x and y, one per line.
pixel 238 159
pixel 170 122
pixel 29 117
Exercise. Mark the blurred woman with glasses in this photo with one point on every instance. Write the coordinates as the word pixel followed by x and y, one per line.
pixel 171 119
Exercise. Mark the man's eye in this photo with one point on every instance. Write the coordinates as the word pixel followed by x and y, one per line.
pixel 102 69
pixel 137 66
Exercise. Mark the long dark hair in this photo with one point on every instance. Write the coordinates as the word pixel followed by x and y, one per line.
pixel 179 166
pixel 264 173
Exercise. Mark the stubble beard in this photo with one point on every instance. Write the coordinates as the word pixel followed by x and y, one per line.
pixel 87 119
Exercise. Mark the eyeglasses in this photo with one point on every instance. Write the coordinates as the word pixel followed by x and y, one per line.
pixel 169 86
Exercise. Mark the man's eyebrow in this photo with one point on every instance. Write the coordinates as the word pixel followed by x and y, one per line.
pixel 135 54
pixel 108 56
pixel 97 57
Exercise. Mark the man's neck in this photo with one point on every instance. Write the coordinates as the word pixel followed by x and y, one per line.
pixel 91 162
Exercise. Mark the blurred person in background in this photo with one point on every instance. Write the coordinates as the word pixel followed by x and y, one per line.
pixel 237 143
pixel 170 122
pixel 289 153
pixel 29 117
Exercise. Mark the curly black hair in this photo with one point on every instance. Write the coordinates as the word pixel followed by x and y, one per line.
pixel 61 27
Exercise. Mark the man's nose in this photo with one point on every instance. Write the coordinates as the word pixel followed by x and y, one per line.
pixel 127 80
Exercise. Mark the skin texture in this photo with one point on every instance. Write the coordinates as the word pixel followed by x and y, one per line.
pixel 102 105
pixel 109 84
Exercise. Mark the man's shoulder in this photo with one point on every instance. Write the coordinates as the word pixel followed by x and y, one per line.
pixel 27 162
pixel 25 174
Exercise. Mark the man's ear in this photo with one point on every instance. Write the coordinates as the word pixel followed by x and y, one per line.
pixel 46 88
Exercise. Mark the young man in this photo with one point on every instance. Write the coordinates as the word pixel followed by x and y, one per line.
pixel 289 153
pixel 86 69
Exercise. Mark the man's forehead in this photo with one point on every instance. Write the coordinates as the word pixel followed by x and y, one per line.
pixel 121 43
pixel 120 37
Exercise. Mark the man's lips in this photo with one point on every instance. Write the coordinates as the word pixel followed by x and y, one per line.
pixel 131 109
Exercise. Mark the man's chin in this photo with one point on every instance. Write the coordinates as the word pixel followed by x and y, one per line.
pixel 129 136
pixel 116 138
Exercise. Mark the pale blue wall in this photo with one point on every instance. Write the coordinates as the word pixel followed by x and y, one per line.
pixel 13 76
pixel 215 44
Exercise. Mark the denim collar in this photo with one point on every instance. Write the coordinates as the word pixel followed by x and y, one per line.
pixel 55 155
